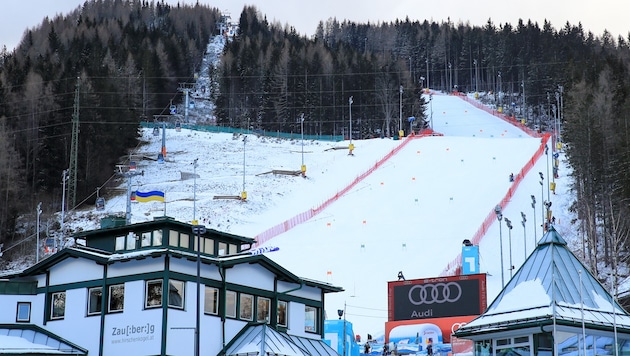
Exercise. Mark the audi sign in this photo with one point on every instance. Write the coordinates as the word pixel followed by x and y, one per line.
pixel 437 297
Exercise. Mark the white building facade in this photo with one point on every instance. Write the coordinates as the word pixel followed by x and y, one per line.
pixel 132 290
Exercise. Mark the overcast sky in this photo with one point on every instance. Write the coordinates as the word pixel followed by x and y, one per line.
pixel 595 16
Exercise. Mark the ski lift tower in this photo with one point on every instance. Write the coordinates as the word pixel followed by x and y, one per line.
pixel 186 88
pixel 162 119
pixel 128 173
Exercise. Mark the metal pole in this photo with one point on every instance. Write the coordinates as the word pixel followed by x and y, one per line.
pixel 244 142
pixel 534 207
pixel 64 178
pixel 542 197
pixel 400 117
pixel 194 190
pixel 39 212
pixel 497 210
pixel 431 102
pixel 476 77
pixel 428 86
pixel 302 132
pixel 350 109
pixel 499 93
pixel 548 188
pixel 561 113
pixel 450 78
pixel 509 225
pixel 198 230
pixel 345 352
pixel 523 221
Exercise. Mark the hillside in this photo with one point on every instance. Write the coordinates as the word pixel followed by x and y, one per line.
pixel 406 205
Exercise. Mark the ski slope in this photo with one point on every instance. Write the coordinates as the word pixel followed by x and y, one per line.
pixel 413 212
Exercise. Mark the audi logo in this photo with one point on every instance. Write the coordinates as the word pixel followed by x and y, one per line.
pixel 456 327
pixel 435 293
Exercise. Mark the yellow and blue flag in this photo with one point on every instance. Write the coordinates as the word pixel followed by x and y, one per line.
pixel 154 195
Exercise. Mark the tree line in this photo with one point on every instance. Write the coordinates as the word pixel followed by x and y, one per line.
pixel 126 58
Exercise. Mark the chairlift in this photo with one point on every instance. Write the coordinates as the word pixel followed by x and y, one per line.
pixel 132 166
pixel 160 158
pixel 100 203
pixel 156 131
pixel 173 109
pixel 178 126
pixel 191 104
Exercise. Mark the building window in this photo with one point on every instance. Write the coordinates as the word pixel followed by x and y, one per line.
pixel 263 310
pixel 211 301
pixel 157 238
pixel 282 313
pixel 95 299
pixel 310 319
pixel 177 239
pixel 146 239
pixel 208 246
pixel 116 298
pixel 176 294
pixel 246 307
pixel 153 298
pixel 222 249
pixel 57 305
pixel 131 241
pixel 120 243
pixel 23 313
pixel 153 294
pixel 230 304
pixel 232 249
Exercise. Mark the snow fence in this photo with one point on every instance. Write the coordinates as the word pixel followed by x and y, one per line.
pixel 306 215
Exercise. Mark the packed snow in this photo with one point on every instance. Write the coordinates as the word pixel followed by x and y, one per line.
pixel 409 213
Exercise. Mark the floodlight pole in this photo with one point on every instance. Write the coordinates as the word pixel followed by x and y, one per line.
pixel 497 211
pixel 523 221
pixel 542 197
pixel 548 184
pixel 509 225
pixel 534 208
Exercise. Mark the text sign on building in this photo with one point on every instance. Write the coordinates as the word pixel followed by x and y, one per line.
pixel 437 297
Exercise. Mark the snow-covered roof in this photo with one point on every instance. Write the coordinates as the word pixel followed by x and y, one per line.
pixel 557 287
pixel 264 340
pixel 32 340
pixel 105 257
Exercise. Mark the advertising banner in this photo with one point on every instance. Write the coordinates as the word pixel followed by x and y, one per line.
pixel 437 297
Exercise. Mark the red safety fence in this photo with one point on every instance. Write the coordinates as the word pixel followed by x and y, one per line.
pixel 305 216
pixel 455 266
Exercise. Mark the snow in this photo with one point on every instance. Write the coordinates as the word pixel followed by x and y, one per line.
pixel 354 221
pixel 409 213
pixel 533 289
pixel 19 346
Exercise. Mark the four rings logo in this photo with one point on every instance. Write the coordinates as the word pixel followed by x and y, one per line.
pixel 435 293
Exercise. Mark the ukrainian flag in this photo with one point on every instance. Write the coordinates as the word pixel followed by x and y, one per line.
pixel 154 195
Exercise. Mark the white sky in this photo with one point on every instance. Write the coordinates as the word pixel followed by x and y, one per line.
pixel 304 15
pixel 410 215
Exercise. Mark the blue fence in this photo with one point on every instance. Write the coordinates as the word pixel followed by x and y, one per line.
pixel 277 134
